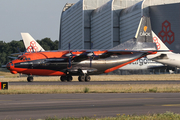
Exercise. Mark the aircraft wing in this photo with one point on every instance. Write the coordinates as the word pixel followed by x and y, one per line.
pixel 96 54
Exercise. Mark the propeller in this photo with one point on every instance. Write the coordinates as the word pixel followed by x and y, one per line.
pixel 91 55
pixel 70 55
pixel 18 50
pixel 20 53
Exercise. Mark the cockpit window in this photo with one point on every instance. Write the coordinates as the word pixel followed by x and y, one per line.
pixel 23 58
pixel 20 58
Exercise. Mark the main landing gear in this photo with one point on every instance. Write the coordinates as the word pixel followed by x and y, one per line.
pixel 68 78
pixel 30 78
pixel 81 78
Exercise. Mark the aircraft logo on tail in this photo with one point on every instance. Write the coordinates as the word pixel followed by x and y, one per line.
pixel 145 28
pixel 145 33
pixel 32 47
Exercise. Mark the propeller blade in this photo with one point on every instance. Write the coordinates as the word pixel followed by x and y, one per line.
pixel 90 61
pixel 18 50
pixel 70 54
pixel 69 62
pixel 91 55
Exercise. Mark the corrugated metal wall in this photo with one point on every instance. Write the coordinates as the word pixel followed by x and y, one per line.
pixel 101 27
pixel 129 21
pixel 75 26
pixel 89 6
pixel 72 27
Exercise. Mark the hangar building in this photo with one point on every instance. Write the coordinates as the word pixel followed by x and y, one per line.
pixel 108 23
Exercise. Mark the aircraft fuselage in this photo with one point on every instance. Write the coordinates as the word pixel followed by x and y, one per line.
pixel 55 65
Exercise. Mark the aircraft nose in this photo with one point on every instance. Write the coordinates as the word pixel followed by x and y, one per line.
pixel 9 65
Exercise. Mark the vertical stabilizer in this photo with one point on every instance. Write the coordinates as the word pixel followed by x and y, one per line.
pixel 144 33
pixel 143 39
pixel 30 43
pixel 160 45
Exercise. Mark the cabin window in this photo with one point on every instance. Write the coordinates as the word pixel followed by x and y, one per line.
pixel 20 58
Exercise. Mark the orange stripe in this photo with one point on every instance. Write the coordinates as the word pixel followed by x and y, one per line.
pixel 40 72
pixel 119 66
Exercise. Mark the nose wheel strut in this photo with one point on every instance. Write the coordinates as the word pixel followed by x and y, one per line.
pixel 30 78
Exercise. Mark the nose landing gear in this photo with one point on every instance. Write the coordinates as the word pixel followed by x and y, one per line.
pixel 30 78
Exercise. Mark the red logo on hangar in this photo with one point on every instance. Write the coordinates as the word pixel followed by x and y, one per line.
pixel 166 34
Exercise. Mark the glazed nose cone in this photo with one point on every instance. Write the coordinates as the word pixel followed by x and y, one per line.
pixel 9 66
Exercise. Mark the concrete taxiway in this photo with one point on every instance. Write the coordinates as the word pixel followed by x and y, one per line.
pixel 36 106
pixel 95 82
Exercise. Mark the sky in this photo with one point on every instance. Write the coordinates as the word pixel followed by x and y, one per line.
pixel 40 18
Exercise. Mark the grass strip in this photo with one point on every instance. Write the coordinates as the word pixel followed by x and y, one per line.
pixel 101 78
pixel 108 88
pixel 164 116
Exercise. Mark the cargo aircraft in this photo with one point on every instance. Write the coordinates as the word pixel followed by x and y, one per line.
pixel 82 63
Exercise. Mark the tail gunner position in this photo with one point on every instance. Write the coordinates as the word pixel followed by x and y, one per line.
pixel 82 63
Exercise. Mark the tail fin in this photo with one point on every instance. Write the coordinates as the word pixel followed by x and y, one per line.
pixel 143 38
pixel 160 45
pixel 144 33
pixel 30 43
